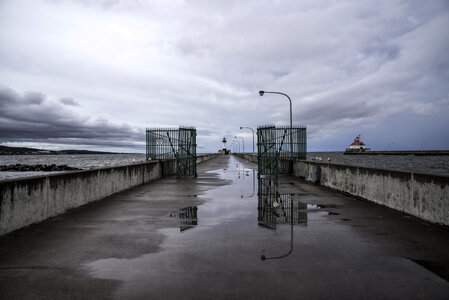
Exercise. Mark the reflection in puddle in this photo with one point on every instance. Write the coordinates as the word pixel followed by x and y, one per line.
pixel 253 184
pixel 275 208
pixel 281 209
pixel 188 216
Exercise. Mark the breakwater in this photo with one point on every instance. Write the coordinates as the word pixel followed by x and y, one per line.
pixel 30 200
pixel 37 168
pixel 410 152
pixel 422 195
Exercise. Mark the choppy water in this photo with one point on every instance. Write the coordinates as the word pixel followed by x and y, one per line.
pixel 426 164
pixel 81 161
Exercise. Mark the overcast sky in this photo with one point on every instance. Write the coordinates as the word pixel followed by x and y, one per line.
pixel 94 74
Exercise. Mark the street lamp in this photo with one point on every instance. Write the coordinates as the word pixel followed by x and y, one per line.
pixel 243 141
pixel 236 149
pixel 241 128
pixel 422 144
pixel 261 93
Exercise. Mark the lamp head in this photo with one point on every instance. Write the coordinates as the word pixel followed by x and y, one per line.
pixel 261 93
pixel 241 127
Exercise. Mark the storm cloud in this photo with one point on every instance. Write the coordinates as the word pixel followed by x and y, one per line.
pixel 99 72
pixel 33 117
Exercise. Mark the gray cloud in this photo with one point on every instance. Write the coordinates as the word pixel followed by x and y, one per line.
pixel 69 101
pixel 32 117
pixel 347 65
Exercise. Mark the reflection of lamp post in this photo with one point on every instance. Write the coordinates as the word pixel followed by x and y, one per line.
pixel 253 134
pixel 263 257
pixel 254 186
pixel 291 126
pixel 243 141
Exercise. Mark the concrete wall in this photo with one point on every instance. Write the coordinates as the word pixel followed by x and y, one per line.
pixel 248 156
pixel 425 196
pixel 30 200
pixel 203 157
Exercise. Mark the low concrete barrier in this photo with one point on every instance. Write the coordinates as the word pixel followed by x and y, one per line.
pixel 422 195
pixel 203 157
pixel 29 200
pixel 425 196
pixel 248 156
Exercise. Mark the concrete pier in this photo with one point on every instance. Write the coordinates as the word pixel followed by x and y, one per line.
pixel 203 238
pixel 29 200
pixel 422 195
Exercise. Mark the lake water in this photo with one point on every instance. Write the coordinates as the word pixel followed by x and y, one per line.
pixel 81 161
pixel 426 164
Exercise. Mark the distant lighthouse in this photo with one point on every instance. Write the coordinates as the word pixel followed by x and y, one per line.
pixel 357 146
pixel 223 150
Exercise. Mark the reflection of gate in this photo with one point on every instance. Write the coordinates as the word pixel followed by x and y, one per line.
pixel 277 147
pixel 275 208
pixel 176 147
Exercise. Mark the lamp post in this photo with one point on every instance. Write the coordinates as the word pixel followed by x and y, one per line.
pixel 422 144
pixel 261 93
pixel 241 128
pixel 243 142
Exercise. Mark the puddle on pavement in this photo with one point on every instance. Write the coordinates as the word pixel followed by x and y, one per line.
pixel 188 217
pixel 322 206
pixel 240 226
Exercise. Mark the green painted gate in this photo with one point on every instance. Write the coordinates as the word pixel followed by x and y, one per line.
pixel 175 147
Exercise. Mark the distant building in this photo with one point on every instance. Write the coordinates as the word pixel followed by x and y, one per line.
pixel 357 146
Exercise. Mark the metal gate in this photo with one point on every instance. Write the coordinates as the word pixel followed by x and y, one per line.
pixel 175 147
pixel 277 147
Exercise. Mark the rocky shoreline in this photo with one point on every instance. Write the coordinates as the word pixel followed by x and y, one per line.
pixel 43 168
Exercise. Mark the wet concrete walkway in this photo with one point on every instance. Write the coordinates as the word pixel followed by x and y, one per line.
pixel 204 238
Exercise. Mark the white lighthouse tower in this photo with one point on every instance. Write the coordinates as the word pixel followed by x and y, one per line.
pixel 224 144
pixel 223 150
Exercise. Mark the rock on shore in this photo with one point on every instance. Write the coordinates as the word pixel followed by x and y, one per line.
pixel 46 168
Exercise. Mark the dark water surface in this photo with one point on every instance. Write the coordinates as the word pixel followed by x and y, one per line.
pixel 81 161
pixel 426 164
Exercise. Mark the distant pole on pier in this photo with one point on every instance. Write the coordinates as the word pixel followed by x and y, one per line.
pixel 253 134
pixel 243 142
